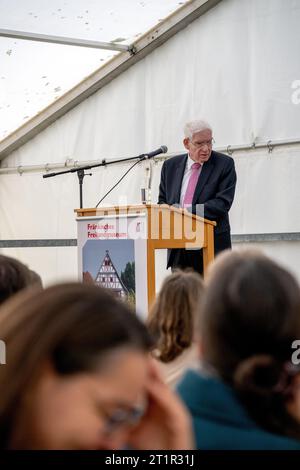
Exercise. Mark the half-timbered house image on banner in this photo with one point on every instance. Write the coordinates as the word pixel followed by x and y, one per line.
pixel 111 264
pixel 109 278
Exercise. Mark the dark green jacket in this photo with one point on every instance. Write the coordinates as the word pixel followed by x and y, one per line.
pixel 221 422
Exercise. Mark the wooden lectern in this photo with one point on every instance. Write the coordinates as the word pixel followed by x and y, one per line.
pixel 155 226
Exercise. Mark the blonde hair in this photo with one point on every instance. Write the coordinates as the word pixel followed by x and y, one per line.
pixel 173 315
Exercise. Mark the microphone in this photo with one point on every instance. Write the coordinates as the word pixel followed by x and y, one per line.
pixel 162 149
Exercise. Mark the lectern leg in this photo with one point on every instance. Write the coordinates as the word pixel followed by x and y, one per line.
pixel 150 273
pixel 208 250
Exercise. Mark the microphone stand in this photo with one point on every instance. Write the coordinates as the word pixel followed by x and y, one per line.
pixel 81 171
pixel 81 174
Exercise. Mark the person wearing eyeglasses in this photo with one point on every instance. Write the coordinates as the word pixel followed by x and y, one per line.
pixel 202 181
pixel 79 376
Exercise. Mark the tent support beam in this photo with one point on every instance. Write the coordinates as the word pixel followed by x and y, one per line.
pixel 9 33
pixel 269 146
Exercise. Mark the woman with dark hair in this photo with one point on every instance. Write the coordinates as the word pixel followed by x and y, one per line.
pixel 248 394
pixel 15 276
pixel 172 322
pixel 78 376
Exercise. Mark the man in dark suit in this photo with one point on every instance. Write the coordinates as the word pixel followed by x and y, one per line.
pixel 203 181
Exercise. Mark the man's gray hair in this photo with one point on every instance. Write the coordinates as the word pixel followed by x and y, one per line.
pixel 195 126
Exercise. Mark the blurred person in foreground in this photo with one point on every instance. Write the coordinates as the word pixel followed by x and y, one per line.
pixel 15 276
pixel 79 376
pixel 248 393
pixel 172 323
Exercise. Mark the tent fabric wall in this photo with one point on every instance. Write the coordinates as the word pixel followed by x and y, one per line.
pixel 285 253
pixel 53 264
pixel 234 66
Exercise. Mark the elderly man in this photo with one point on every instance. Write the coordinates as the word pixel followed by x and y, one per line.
pixel 203 181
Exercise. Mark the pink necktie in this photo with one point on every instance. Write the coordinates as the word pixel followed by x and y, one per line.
pixel 189 194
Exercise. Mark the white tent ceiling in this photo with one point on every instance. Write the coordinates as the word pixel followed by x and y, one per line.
pixel 34 74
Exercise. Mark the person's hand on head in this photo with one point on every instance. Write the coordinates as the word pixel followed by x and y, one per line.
pixel 166 423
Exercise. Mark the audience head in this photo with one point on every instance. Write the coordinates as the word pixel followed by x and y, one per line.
pixel 77 362
pixel 173 315
pixel 250 317
pixel 15 276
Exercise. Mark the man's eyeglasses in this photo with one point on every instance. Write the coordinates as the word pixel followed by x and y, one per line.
pixel 199 145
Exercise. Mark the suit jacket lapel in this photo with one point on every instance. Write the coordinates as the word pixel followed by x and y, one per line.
pixel 203 177
pixel 178 179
